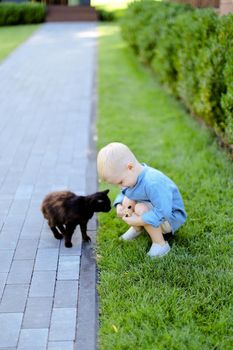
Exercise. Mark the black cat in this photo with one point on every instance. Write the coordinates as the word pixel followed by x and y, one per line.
pixel 65 210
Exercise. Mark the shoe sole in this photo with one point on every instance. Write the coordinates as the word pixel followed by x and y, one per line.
pixel 158 256
pixel 128 239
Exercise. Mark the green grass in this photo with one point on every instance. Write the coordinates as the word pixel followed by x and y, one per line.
pixel 184 300
pixel 12 36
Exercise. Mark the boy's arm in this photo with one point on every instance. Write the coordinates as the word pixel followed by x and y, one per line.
pixel 160 196
pixel 119 199
pixel 118 204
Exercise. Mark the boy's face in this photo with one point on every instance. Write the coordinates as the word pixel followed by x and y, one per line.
pixel 127 178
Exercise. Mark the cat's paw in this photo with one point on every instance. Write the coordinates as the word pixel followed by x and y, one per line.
pixel 87 239
pixel 57 236
pixel 68 244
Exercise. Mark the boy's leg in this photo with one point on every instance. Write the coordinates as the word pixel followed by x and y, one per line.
pixel 131 233
pixel 159 245
pixel 155 234
pixel 167 231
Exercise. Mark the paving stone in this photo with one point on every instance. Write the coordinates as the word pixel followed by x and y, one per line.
pixel 14 222
pixel 43 283
pixel 88 302
pixel 60 345
pixel 33 222
pixel 14 298
pixel 77 244
pixel 31 339
pixel 66 294
pixel 26 249
pixel 24 192
pixel 46 259
pixel 3 215
pixel 5 204
pixel 63 324
pixel 6 257
pixel 10 184
pixel 38 313
pixel 48 241
pixel 19 207
pixel 10 328
pixel 3 277
pixel 28 233
pixel 68 268
pixel 40 191
pixel 20 272
pixel 9 239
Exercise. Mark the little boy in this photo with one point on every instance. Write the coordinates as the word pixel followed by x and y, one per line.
pixel 153 199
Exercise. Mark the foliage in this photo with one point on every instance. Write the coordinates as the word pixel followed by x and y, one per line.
pixel 22 13
pixel 144 23
pixel 190 50
pixel 225 37
pixel 105 15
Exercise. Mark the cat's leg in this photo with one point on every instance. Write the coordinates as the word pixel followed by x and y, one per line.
pixel 62 229
pixel 56 233
pixel 70 227
pixel 83 227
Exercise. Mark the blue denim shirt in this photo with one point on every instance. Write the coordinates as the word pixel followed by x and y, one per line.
pixel 158 189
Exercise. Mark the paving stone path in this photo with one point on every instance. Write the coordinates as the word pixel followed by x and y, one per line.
pixel 47 100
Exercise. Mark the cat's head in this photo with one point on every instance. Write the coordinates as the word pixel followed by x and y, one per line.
pixel 100 201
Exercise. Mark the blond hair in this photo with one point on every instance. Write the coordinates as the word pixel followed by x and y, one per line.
pixel 113 159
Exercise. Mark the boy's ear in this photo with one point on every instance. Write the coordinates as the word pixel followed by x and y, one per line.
pixel 130 166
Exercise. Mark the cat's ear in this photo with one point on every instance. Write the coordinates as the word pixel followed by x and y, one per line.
pixel 106 191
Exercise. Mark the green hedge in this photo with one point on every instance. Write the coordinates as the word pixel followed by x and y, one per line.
pixel 21 13
pixel 191 52
pixel 144 23
pixel 105 15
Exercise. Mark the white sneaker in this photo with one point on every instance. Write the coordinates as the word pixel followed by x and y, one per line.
pixel 130 234
pixel 157 250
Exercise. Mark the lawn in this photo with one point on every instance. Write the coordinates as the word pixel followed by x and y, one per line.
pixel 12 36
pixel 184 300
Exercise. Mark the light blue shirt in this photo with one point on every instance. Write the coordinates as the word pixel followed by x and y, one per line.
pixel 155 187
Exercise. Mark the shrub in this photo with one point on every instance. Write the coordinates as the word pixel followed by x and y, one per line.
pixel 227 98
pixel 150 34
pixel 22 13
pixel 137 17
pixel 191 52
pixel 143 25
pixel 32 13
pixel 105 15
pixel 9 14
pixel 165 56
pixel 191 61
pixel 225 38
pixel 196 31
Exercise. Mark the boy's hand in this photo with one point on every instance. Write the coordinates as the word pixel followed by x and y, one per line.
pixel 120 210
pixel 133 220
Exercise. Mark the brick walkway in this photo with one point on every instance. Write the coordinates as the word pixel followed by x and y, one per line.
pixel 46 128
